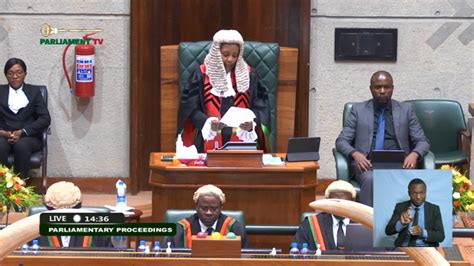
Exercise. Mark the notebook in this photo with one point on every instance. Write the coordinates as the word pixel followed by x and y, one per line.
pixel 303 149
pixel 387 159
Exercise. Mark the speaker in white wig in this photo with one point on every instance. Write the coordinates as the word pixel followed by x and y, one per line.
pixel 215 66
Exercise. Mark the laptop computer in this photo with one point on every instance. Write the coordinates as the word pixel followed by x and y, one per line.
pixel 303 149
pixel 239 146
pixel 359 238
pixel 387 159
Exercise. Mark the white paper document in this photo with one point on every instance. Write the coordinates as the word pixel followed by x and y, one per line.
pixel 236 116
pixel 125 210
pixel 268 159
pixel 118 209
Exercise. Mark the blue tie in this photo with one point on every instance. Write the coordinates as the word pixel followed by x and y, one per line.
pixel 209 230
pixel 412 239
pixel 379 138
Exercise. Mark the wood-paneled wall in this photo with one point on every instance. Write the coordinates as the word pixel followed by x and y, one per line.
pixel 161 22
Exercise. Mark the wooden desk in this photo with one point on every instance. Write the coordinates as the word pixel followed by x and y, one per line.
pixel 268 195
pixel 457 256
pixel 135 217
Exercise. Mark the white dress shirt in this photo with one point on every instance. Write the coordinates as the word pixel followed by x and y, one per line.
pixel 204 227
pixel 65 240
pixel 17 99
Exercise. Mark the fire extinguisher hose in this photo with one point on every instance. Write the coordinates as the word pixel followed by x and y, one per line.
pixel 65 68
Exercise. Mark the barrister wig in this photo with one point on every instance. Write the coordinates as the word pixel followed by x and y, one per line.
pixel 215 66
pixel 62 195
pixel 340 186
pixel 209 190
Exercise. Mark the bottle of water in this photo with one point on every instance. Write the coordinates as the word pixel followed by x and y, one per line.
pixel 168 249
pixel 179 143
pixel 34 247
pixel 120 242
pixel 294 251
pixel 147 250
pixel 273 252
pixel 24 249
pixel 142 247
pixel 156 248
pixel 304 250
pixel 121 190
pixel 318 250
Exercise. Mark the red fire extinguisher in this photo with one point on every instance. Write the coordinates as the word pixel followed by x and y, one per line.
pixel 84 70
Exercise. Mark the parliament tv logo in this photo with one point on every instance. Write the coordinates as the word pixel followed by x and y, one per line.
pixel 47 30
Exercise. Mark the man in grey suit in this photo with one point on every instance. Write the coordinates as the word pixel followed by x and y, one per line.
pixel 380 124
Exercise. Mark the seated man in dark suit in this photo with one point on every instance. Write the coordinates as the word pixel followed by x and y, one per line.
pixel 380 124
pixel 208 218
pixel 66 195
pixel 417 222
pixel 23 117
pixel 329 229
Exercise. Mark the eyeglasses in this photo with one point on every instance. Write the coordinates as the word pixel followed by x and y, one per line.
pixel 18 73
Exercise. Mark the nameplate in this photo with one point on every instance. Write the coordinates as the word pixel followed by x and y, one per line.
pixel 216 248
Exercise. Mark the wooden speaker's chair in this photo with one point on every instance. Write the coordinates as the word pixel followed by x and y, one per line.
pixel 276 67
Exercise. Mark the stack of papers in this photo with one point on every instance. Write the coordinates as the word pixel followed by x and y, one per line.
pixel 269 159
pixel 236 116
pixel 125 210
